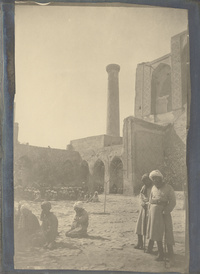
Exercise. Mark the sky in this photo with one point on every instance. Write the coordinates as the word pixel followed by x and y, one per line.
pixel 61 54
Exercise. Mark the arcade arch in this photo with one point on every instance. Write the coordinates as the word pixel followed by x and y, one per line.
pixel 116 176
pixel 185 73
pixel 99 176
pixel 84 172
pixel 68 172
pixel 161 92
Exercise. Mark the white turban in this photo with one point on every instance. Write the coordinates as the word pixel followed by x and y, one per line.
pixel 155 173
pixel 78 205
pixel 25 208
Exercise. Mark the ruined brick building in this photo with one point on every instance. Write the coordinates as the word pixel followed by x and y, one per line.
pixel 154 138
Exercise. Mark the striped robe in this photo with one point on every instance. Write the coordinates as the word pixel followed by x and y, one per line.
pixel 142 221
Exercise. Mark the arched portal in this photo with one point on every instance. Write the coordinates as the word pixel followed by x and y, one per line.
pixel 185 73
pixel 98 176
pixel 84 172
pixel 68 173
pixel 116 176
pixel 161 94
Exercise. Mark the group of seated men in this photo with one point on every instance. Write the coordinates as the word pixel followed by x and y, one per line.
pixel 29 232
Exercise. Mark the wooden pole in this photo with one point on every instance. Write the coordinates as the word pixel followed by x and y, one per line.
pixel 105 197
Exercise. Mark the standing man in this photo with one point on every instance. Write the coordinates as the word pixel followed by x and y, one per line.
pixel 162 201
pixel 141 225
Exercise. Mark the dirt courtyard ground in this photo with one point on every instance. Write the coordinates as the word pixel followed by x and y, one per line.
pixel 111 242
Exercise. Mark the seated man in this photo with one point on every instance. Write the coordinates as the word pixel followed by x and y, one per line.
pixel 80 223
pixel 27 225
pixel 95 198
pixel 49 225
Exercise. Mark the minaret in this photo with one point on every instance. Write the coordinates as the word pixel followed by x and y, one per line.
pixel 113 124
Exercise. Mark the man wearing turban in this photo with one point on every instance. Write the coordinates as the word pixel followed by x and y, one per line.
pixel 95 198
pixel 80 223
pixel 162 201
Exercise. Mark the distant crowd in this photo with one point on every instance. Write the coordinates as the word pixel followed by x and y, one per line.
pixel 116 190
pixel 57 193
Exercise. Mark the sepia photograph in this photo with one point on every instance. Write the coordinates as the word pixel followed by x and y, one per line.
pixel 101 116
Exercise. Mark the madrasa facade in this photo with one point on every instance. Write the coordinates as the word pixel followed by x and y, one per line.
pixel 153 138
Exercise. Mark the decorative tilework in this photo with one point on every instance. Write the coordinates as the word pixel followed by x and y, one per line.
pixel 176 73
pixel 146 94
pixel 138 91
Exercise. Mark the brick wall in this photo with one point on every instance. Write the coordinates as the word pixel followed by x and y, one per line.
pixel 143 151
pixel 95 142
pixel 46 166
pixel 175 155
pixel 149 152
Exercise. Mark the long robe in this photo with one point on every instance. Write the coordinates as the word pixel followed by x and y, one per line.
pixel 162 202
pixel 27 226
pixel 143 214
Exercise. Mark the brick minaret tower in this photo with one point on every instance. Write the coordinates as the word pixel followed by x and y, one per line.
pixel 113 124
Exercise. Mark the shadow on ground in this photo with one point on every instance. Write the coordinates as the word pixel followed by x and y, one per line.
pixel 96 238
